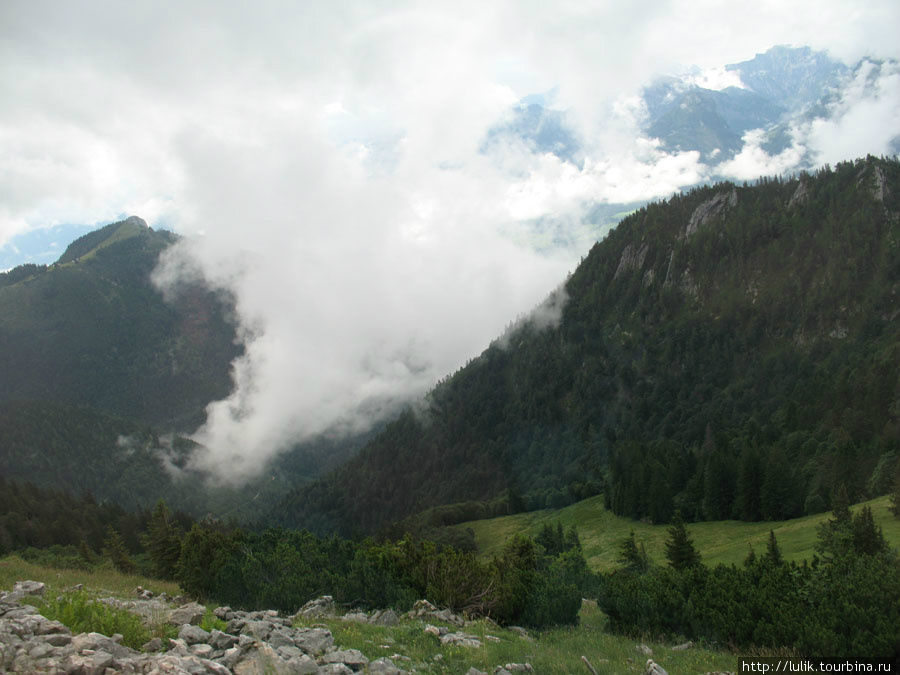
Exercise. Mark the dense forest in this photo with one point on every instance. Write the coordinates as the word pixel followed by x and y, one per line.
pixel 731 352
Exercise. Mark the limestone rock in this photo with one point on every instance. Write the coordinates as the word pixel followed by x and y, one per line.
pixel 191 613
pixel 653 668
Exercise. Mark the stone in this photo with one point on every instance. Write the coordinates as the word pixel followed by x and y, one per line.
pixel 153 645
pixel 262 660
pixel 313 641
pixel 519 667
pixel 221 640
pixel 193 634
pixel 683 646
pixel 334 669
pixel 320 607
pixel 303 665
pixel 202 650
pixel 653 668
pixel 460 640
pixel 222 613
pixel 387 617
pixel 353 658
pixel 190 612
pixel 644 649
pixel 358 617
pixel 475 671
pixel 384 666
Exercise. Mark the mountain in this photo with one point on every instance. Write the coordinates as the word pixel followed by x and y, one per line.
pixel 91 330
pixel 101 374
pixel 732 352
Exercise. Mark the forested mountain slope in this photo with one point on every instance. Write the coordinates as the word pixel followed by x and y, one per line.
pixel 732 352
pixel 92 330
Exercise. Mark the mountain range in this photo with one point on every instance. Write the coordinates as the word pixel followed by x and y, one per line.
pixel 729 352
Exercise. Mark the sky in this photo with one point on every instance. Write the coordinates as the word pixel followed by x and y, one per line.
pixel 325 162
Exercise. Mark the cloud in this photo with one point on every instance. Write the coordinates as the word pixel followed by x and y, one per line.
pixel 324 161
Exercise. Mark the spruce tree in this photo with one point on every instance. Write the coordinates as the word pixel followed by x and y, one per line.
pixel 773 553
pixel 115 551
pixel 680 551
pixel 633 558
pixel 163 541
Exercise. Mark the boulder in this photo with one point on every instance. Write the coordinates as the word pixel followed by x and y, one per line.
pixel 193 634
pixel 190 612
pixel 318 608
pixel 313 641
pixel 653 668
pixel 386 617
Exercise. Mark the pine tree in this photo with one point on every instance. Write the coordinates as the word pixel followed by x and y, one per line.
pixel 633 558
pixel 868 538
pixel 680 551
pixel 773 553
pixel 115 551
pixel 163 541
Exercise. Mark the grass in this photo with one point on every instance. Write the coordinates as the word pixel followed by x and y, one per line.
pixel 99 582
pixel 724 542
pixel 552 651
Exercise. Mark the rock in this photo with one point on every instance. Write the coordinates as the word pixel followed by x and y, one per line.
pixel 193 634
pixel 644 649
pixel 262 660
pixel 202 650
pixel 221 640
pixel 302 664
pixel 475 671
pixel 519 667
pixel 358 617
pixel 653 668
pixel 314 609
pixel 334 669
pixel 352 658
pixel 190 612
pixel 423 609
pixel 259 630
pixel 222 613
pixel 154 645
pixel 384 666
pixel 683 646
pixel 25 589
pixel 460 640
pixel 386 617
pixel 521 632
pixel 313 641
pixel 434 630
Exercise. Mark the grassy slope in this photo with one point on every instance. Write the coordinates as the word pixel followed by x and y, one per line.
pixel 557 650
pixel 724 542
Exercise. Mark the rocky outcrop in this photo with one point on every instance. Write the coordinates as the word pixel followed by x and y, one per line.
pixel 257 642
pixel 709 210
pixel 253 643
pixel 632 258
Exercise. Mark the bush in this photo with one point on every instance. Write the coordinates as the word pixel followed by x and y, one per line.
pixel 81 614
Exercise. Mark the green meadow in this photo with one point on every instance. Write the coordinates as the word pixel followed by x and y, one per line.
pixel 727 542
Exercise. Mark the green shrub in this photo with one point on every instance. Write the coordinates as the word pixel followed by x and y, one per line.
pixel 82 614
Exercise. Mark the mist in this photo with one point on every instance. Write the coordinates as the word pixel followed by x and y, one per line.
pixel 326 165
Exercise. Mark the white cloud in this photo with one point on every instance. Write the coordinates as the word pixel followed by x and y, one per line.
pixel 325 159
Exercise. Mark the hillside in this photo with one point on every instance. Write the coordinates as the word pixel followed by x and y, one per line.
pixel 731 352
pixel 91 330
pixel 718 542
pixel 101 374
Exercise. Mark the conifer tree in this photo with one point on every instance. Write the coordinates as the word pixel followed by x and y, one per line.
pixel 680 551
pixel 163 541
pixel 633 558
pixel 773 553
pixel 115 551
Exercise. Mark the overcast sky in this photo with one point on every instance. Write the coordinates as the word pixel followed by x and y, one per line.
pixel 322 159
